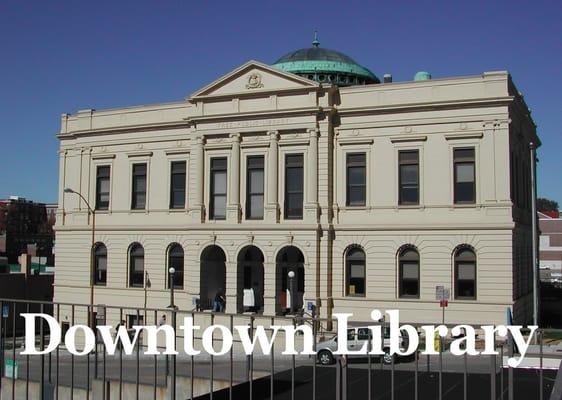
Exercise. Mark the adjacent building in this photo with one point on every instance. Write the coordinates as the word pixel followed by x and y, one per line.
pixel 307 181
pixel 550 257
pixel 25 229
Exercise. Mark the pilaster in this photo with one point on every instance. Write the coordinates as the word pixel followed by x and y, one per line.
pixel 271 210
pixel 233 209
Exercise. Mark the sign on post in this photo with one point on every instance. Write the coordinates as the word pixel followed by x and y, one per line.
pixel 442 295
pixel 11 369
pixel 5 310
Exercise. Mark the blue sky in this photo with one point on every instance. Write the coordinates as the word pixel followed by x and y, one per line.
pixel 58 57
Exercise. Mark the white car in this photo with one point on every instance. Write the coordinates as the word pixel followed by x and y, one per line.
pixel 356 339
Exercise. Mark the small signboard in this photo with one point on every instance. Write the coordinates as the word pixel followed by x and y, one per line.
pixel 442 293
pixel 100 312
pixel 11 369
pixel 310 306
pixel 5 311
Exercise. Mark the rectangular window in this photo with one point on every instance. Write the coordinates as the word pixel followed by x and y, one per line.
pixel 294 186
pixel 138 201
pixel 218 189
pixel 356 179
pixel 409 177
pixel 465 178
pixel 102 187
pixel 177 184
pixel 254 185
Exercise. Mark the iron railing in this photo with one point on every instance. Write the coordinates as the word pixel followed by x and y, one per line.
pixel 97 375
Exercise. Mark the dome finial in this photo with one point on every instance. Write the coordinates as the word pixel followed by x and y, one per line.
pixel 315 42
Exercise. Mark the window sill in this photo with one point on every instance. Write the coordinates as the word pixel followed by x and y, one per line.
pixel 464 205
pixel 358 208
pixel 177 210
pixel 138 211
pixel 410 207
pixel 355 296
pixel 408 298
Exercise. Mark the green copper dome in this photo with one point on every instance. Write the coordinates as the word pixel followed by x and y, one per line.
pixel 325 66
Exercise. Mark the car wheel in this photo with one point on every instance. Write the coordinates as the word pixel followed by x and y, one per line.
pixel 388 358
pixel 325 357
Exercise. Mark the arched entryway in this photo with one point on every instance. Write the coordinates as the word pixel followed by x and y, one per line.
pixel 212 276
pixel 289 290
pixel 249 280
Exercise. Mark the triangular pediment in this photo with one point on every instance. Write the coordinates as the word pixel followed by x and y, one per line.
pixel 253 77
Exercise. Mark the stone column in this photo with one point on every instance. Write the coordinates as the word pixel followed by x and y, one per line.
pixel 311 206
pixel 233 209
pixel 272 203
pixel 198 208
pixel 231 287
pixel 269 293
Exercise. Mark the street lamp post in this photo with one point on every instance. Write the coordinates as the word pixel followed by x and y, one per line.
pixel 91 312
pixel 172 271
pixel 291 276
pixel 90 211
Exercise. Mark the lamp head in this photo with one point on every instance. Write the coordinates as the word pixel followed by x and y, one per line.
pixel 172 270
pixel 68 190
pixel 291 274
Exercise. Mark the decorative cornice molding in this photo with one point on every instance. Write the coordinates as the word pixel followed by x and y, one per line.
pixel 401 139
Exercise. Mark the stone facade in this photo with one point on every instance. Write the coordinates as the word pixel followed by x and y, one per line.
pixel 258 110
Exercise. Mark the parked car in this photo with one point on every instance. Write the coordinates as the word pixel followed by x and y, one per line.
pixel 356 339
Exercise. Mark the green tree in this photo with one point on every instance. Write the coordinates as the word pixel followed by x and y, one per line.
pixel 547 205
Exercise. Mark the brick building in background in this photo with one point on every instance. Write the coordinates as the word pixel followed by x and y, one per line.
pixel 550 256
pixel 25 227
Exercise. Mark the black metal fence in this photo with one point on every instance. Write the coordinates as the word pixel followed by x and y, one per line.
pixel 235 375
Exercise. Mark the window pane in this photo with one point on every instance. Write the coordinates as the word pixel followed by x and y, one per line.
pixel 408 156
pixel 294 205
pixel 464 154
pixel 410 270
pixel 294 179
pixel 178 167
pixel 409 174
pixel 466 271
pixel 219 207
pixel 409 195
pixel 356 175
pixel 256 206
pixel 219 183
pixel 357 196
pixel 465 173
pixel 256 181
pixel 357 271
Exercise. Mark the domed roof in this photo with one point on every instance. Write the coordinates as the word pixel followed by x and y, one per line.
pixel 325 66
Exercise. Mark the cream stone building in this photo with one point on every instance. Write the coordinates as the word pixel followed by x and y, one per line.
pixel 372 193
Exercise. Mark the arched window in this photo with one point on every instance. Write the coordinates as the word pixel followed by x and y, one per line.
pixel 465 274
pixel 136 265
pixel 409 273
pixel 355 272
pixel 100 264
pixel 175 260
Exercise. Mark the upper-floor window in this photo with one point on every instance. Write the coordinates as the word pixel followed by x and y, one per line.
pixel 409 177
pixel 254 184
pixel 355 272
pixel 136 265
pixel 177 184
pixel 175 260
pixel 465 274
pixel 100 264
pixel 294 186
pixel 409 272
pixel 217 209
pixel 465 178
pixel 356 177
pixel 102 187
pixel 138 195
